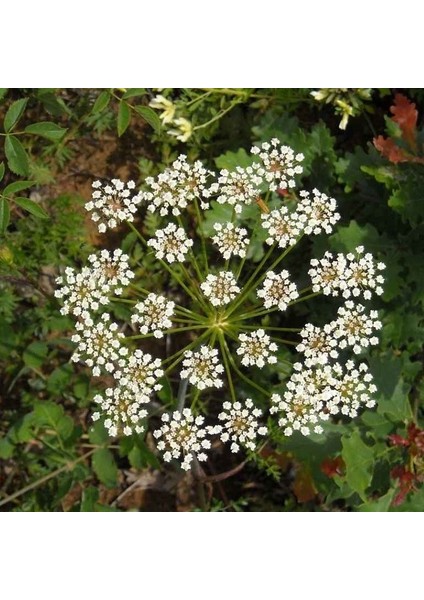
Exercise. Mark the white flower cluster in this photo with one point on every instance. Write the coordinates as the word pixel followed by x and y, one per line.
pixel 278 290
pixel 112 269
pixel 220 289
pixel 230 240
pixel 279 164
pixel 313 394
pixel 153 314
pixel 177 186
pixel 318 344
pixel 240 425
pixel 283 227
pixel 202 368
pixel 139 373
pixel 171 243
pixel 112 203
pixel 182 436
pixel 238 188
pixel 122 410
pixel 99 345
pixel 354 327
pixel 256 349
pixel 319 213
pixel 348 275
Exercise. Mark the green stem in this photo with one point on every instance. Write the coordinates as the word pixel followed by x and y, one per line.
pixel 202 237
pixel 218 116
pixel 227 365
pixel 240 374
pixel 266 327
pixel 301 299
pixel 167 331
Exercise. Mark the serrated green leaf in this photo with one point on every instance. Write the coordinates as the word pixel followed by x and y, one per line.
pixel 17 158
pixel 14 113
pixel 132 92
pixel 4 214
pixel 35 354
pixel 17 186
pixel 51 415
pixel 31 207
pixel 397 407
pixel 359 460
pixel 124 117
pixel 1 170
pixel 105 467
pixel 102 101
pixel 231 160
pixel 59 378
pixel 47 129
pixel 149 116
pixel 97 434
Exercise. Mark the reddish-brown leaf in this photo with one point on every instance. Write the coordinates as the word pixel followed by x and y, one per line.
pixel 388 148
pixel 303 485
pixel 332 466
pixel 398 440
pixel 405 115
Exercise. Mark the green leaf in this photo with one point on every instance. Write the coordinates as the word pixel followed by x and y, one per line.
pixel 17 158
pixel 14 113
pixel 17 186
pixel 124 117
pixel 380 505
pixel 31 207
pixel 59 378
pixel 1 170
pixel 359 459
pixel 132 92
pixel 149 116
pixel 48 130
pixel 105 467
pixel 35 354
pixel 102 101
pixel 4 214
pixel 51 415
pixel 97 434
pixel 230 160
pixel 89 498
pixel 3 92
pixel 397 407
pixel 6 448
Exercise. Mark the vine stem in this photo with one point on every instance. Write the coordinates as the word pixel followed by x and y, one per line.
pixel 46 478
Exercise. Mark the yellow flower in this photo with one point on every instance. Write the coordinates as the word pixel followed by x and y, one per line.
pixel 184 131
pixel 166 106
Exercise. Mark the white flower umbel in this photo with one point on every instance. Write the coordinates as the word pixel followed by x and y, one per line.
pixel 202 368
pixel 171 243
pixel 240 425
pixel 353 388
pixel 354 327
pixel 153 315
pixel 300 412
pixel 139 373
pixel 112 203
pixel 82 293
pixel 278 290
pixel 328 274
pixel 122 411
pixel 238 188
pixel 362 275
pixel 112 268
pixel 319 212
pixel 256 349
pixel 283 227
pixel 347 275
pixel 279 164
pixel 318 344
pixel 99 345
pixel 220 289
pixel 231 240
pixel 177 186
pixel 182 437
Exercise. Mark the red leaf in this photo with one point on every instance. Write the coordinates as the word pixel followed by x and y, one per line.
pixel 405 115
pixel 332 466
pixel 398 440
pixel 389 150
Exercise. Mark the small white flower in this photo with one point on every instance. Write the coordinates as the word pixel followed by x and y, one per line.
pixel 220 289
pixel 202 368
pixel 240 425
pixel 238 188
pixel 153 315
pixel 177 186
pixel 171 243
pixel 318 344
pixel 230 240
pixel 328 274
pixel 112 203
pixel 283 227
pixel 112 268
pixel 353 389
pixel 279 165
pixel 256 348
pixel 99 345
pixel 278 290
pixel 139 373
pixel 319 213
pixel 122 411
pixel 182 437
pixel 300 412
pixel 354 327
pixel 82 293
